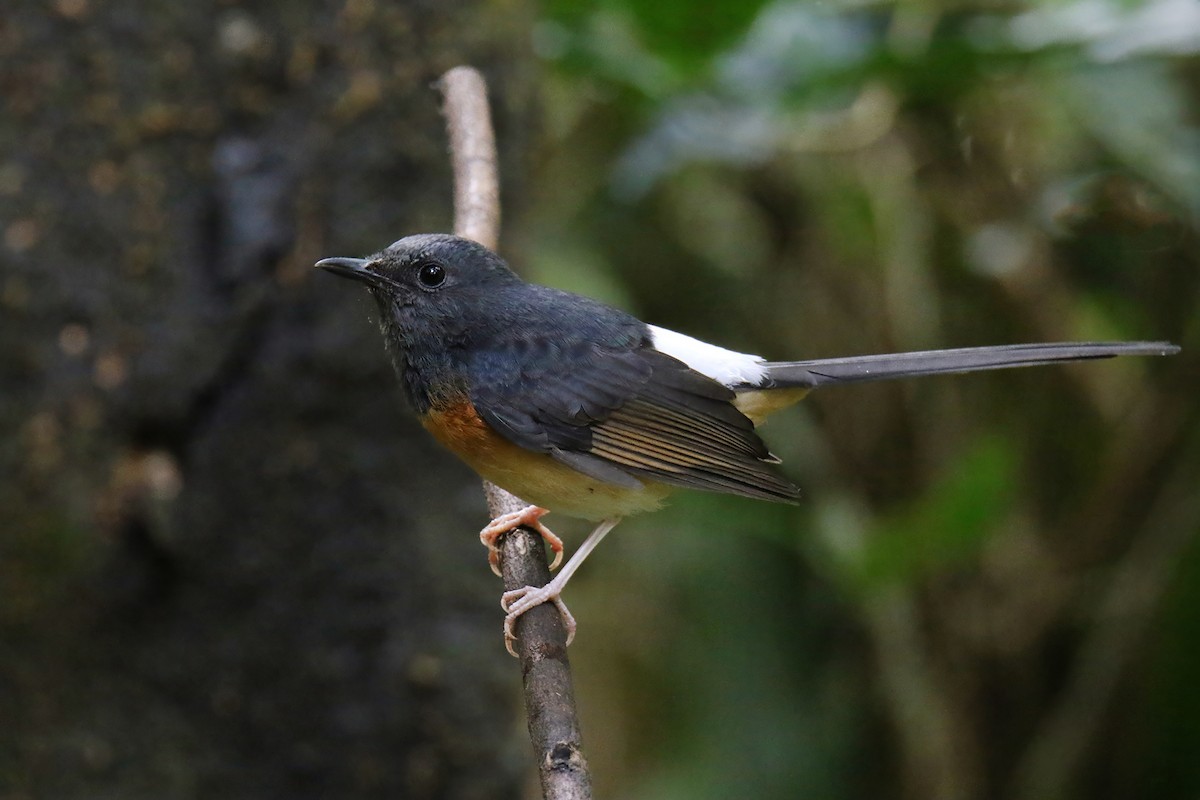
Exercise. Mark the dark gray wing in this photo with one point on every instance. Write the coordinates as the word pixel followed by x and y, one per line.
pixel 620 414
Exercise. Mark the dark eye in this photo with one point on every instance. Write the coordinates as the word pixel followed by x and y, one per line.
pixel 431 275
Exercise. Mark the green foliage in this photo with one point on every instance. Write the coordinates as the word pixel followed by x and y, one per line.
pixel 941 530
pixel 679 39
pixel 808 179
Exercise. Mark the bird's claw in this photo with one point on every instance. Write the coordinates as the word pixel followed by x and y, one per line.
pixel 528 517
pixel 518 601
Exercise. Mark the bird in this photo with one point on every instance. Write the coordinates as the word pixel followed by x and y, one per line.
pixel 580 408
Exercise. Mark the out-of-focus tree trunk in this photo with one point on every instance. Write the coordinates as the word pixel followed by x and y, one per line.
pixel 229 564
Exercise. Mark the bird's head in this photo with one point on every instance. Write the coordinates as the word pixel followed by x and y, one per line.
pixel 428 286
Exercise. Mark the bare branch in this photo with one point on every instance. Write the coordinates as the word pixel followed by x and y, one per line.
pixel 473 156
pixel 541 643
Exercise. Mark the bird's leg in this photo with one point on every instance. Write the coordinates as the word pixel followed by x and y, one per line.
pixel 527 517
pixel 518 601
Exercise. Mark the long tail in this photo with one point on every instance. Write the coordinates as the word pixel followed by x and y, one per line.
pixel 855 369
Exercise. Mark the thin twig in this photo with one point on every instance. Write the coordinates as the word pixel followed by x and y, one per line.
pixel 541 639
pixel 472 155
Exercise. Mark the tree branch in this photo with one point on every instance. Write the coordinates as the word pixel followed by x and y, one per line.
pixel 541 639
pixel 472 155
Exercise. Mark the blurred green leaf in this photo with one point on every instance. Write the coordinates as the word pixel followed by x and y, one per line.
pixel 945 527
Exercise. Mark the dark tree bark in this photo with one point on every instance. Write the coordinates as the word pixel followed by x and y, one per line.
pixel 211 486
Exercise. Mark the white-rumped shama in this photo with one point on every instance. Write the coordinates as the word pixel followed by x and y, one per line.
pixel 578 407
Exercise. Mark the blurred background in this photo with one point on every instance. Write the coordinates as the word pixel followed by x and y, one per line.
pixel 231 565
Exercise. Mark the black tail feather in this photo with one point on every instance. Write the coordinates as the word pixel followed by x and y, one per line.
pixel 855 369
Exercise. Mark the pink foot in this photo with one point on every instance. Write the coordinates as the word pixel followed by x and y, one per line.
pixel 518 601
pixel 528 517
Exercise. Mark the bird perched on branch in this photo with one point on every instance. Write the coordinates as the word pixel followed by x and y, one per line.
pixel 578 407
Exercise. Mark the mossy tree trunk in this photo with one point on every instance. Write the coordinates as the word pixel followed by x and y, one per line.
pixel 230 565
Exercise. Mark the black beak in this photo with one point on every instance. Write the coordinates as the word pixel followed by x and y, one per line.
pixel 355 269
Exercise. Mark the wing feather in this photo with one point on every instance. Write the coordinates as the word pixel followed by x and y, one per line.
pixel 626 414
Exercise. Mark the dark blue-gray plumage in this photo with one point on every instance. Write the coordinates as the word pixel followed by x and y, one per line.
pixel 577 406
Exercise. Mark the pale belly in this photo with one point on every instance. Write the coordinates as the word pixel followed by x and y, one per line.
pixel 542 481
pixel 536 477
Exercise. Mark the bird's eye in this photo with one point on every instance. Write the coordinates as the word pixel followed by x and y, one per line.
pixel 431 275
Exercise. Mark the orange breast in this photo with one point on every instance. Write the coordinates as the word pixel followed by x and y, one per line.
pixel 461 430
pixel 534 477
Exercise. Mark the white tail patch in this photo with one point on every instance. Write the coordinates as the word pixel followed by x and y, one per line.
pixel 726 366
